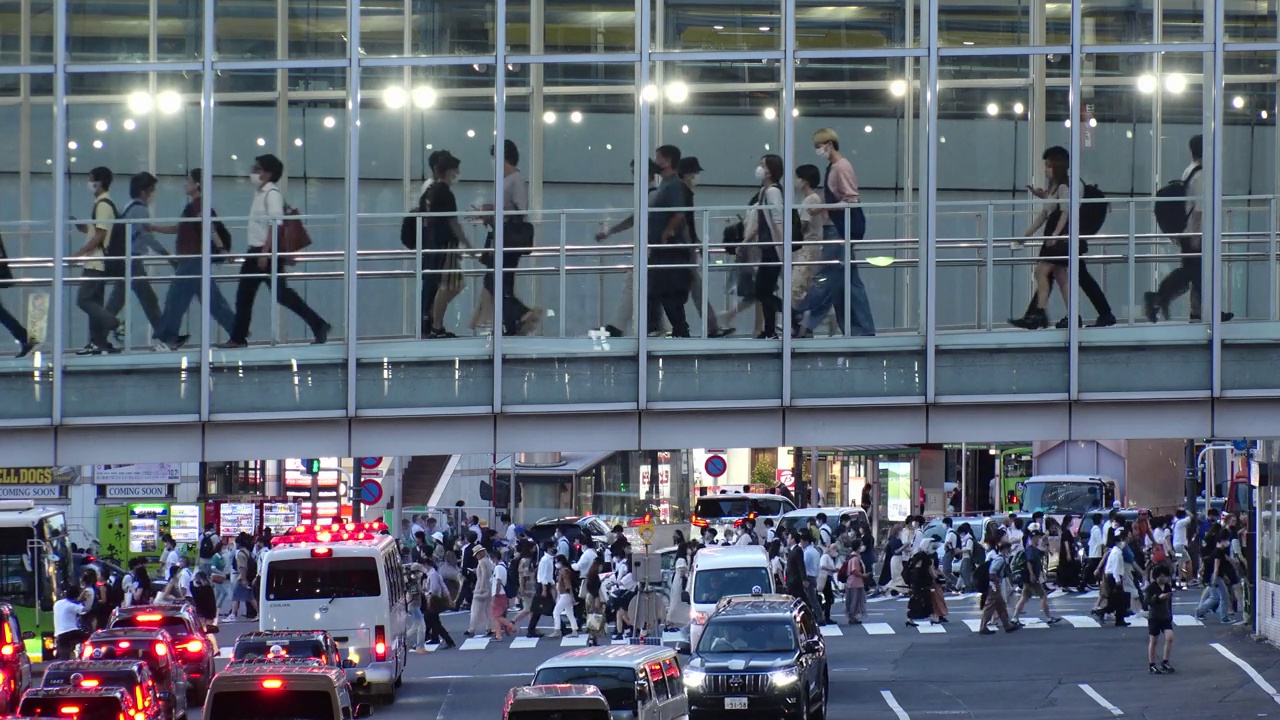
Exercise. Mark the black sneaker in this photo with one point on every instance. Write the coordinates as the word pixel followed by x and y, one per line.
pixel 1154 670
pixel 1165 667
pixel 1151 306
pixel 1104 321
pixel 322 334
pixel 26 349
pixel 614 331
pixel 89 349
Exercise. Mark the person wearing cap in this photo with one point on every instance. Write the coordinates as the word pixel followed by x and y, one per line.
pixel 626 307
pixel 840 186
pixel 442 237
pixel 688 169
pixel 668 286
pixel 1034 585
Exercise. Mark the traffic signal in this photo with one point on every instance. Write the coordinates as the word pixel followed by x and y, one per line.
pixel 311 466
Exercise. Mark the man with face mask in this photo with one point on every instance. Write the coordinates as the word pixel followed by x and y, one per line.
pixel 443 233
pixel 626 306
pixel 688 169
pixel 91 295
pixel 142 242
pixel 266 214
pixel 668 287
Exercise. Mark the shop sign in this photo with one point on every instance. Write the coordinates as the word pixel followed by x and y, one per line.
pixel 30 492
pixel 62 475
pixel 156 473
pixel 129 492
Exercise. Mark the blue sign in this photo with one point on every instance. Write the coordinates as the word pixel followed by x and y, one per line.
pixel 1240 445
pixel 715 466
pixel 370 492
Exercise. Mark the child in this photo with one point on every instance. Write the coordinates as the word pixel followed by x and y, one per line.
pixel 1160 620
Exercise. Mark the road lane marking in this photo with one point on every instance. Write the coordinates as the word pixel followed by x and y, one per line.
pixel 974 625
pixel 930 629
pixel 579 641
pixel 524 643
pixel 481 677
pixel 878 628
pixel 1258 680
pixel 1187 621
pixel 1082 621
pixel 1097 697
pixel 475 643
pixel 894 706
pixel 831 631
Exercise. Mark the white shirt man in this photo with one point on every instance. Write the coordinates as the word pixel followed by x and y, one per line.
pixel 266 211
pixel 1115 565
pixel 547 569
pixel 585 562
pixel 1192 178
pixel 1097 541
pixel 1180 527
pixel 66 615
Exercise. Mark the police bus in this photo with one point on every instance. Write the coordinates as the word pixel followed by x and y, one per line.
pixel 347 579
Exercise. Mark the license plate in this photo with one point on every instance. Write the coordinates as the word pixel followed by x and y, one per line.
pixel 735 703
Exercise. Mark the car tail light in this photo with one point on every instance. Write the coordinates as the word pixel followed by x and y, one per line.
pixel 380 643
pixel 8 650
pixel 161 649
pixel 194 646
pixel 698 618
pixel 273 683
pixel 321 552
pixel 123 644
pixel 69 710
pixel 89 683
pixel 150 617
pixel 699 522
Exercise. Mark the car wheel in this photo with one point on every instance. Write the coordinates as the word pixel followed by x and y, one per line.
pixel 399 680
pixel 821 712
pixel 803 712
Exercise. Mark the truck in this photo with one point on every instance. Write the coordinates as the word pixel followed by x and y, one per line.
pixel 1147 474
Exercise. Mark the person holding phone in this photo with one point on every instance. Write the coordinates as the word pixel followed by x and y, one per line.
pixel 1160 620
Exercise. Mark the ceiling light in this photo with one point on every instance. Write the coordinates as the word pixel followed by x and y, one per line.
pixel 1175 83
pixel 330 121
pixel 139 102
pixel 766 147
pixel 394 97
pixel 101 125
pixel 1128 134
pixel 898 88
pixel 549 117
pixel 72 145
pixel 1237 102
pixel 262 142
pixel 993 109
pixel 1147 83
pixel 235 157
pixel 717 27
pixel 97 144
pixel 649 93
pixel 608 146
pixel 1018 108
pixel 471 133
pixel 1093 122
pixel 1263 114
pixel 795 112
pixel 942 139
pixel 684 129
pixel 677 92
pixel 575 117
pixel 169 102
pixel 297 142
pixel 129 124
pixel 866 129
pixel 770 113
pixel 1067 122
pixel 764 28
pixel 423 97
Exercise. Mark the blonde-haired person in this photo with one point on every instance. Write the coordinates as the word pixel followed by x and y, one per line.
pixel 840 187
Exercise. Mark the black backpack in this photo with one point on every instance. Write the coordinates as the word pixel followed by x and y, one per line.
pixel 410 224
pixel 1092 215
pixel 981 571
pixel 206 547
pixel 1171 213
pixel 117 241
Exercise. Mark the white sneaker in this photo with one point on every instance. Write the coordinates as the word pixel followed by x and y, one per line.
pixel 160 347
pixel 229 618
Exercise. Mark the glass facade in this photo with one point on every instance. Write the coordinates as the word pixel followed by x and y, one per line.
pixel 897 284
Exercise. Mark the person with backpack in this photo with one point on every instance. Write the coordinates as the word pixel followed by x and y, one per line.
pixel 828 291
pixel 246 571
pixel 189 267
pixel 854 575
pixel 763 227
pixel 141 243
pixel 442 236
pixel 989 574
pixel 1033 576
pixel 266 221
pixel 103 236
pixel 504 588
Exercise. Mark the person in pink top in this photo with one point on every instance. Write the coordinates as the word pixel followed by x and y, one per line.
pixel 828 286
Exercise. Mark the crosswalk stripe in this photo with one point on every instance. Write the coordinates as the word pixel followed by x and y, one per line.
pixel 579 641
pixel 928 628
pixel 974 625
pixel 1082 621
pixel 1186 621
pixel 832 631
pixel 524 643
pixel 475 643
pixel 622 641
pixel 672 637
pixel 878 628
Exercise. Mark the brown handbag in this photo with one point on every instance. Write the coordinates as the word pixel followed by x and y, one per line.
pixel 293 235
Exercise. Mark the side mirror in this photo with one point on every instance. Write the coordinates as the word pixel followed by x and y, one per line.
pixel 363 710
pixel 29 635
pixel 684 648
pixel 642 691
pixel 211 629
pixel 348 663
pixel 811 646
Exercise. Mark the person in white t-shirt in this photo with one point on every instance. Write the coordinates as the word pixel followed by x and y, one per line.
pixel 1181 527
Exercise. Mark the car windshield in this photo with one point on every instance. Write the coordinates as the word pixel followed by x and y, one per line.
pixel 271 705
pixel 322 578
pixel 733 635
pixel 81 708
pixel 710 585
pixel 1061 496
pixel 255 649
pixel 140 649
pixel 617 684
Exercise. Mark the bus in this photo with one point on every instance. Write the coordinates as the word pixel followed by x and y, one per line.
pixel 1015 469
pixel 35 565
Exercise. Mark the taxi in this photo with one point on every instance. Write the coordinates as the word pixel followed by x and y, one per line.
pixel 282 691
pixel 132 676
pixel 152 646
pixel 280 645
pixel 556 702
pixel 80 704
pixel 192 639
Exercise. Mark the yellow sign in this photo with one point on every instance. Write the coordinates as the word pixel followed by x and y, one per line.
pixel 646 532
pixel 64 475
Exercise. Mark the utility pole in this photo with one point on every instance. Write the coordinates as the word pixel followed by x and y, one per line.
pixel 357 493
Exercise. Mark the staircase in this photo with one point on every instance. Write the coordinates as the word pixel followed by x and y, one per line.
pixel 421 475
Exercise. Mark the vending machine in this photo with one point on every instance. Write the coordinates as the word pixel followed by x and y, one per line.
pixel 147 523
pixel 186 523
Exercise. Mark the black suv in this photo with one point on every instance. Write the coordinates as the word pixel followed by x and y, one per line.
pixel 761 655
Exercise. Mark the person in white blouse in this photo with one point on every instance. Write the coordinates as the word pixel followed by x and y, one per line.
pixel 828 564
pixel 677 606
pixel 1118 578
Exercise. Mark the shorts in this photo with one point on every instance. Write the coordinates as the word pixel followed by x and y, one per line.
pixel 1033 589
pixel 241 594
pixel 1181 552
pixel 1157 627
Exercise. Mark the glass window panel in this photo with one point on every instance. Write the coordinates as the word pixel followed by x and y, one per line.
pixel 134 32
pixel 820 25
pixel 1249 21
pixel 26 34
pixel 998 24
pixel 558 26
pixel 419 27
pixel 1110 22
pixel 703 25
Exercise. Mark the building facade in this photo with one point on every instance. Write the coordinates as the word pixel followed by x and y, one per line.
pixel 944 109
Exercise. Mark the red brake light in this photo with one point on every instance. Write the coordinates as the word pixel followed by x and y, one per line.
pixel 89 683
pixel 162 649
pixel 637 522
pixel 655 671
pixel 7 650
pixel 150 617
pixel 698 522
pixel 380 643
pixel 123 644
pixel 273 683
pixel 321 552
pixel 194 646
pixel 69 710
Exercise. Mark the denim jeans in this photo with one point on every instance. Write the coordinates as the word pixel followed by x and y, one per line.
pixel 181 292
pixel 828 291
pixel 1216 599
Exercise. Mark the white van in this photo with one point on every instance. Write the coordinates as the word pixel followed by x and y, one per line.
pixel 726 513
pixel 347 580
pixel 643 682
pixel 720 572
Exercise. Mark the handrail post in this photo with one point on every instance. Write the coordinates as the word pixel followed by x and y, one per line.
pixel 703 297
pixel 847 254
pixel 128 285
pixel 564 275
pixel 275 280
pixel 1133 256
pixel 991 267
pixel 1273 270
pixel 417 277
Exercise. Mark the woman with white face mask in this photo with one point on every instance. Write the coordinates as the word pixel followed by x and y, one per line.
pixel 764 226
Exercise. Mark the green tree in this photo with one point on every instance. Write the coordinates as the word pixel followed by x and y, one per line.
pixel 764 475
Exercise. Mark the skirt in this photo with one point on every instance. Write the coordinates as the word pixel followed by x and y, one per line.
pixel 451 280
pixel 499 607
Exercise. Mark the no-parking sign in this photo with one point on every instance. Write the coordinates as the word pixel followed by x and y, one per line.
pixel 715 466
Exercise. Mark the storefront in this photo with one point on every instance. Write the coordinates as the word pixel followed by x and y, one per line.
pixel 41 484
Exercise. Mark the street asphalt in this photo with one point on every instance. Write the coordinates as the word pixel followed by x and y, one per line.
pixel 1075 670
